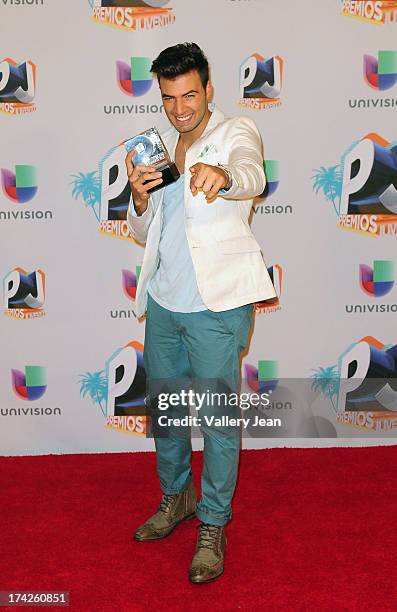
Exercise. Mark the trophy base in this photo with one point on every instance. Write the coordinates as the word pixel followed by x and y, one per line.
pixel 170 175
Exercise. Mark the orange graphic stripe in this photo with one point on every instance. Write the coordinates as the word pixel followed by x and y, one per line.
pixel 372 341
pixel 376 138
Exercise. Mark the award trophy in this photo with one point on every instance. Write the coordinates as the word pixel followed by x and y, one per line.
pixel 150 151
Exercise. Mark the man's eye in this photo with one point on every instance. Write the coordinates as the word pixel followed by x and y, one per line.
pixel 189 96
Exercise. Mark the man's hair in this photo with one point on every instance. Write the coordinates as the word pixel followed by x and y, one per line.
pixel 180 59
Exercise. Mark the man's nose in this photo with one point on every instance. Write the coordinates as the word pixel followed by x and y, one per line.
pixel 179 107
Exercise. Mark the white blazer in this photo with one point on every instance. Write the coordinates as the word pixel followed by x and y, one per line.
pixel 230 270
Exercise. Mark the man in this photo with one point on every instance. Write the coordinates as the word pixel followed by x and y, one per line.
pixel 201 272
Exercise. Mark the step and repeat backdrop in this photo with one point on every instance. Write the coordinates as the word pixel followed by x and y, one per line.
pixel 320 81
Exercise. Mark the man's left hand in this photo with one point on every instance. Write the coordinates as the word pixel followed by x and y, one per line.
pixel 209 179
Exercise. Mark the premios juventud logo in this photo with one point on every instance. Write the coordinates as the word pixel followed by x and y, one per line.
pixel 24 294
pixel 106 192
pixel 119 389
pixel 361 188
pixel 17 86
pixel 362 386
pixel 133 15
pixel 379 12
pixel 260 81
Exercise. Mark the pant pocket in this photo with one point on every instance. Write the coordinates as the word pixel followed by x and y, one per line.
pixel 232 320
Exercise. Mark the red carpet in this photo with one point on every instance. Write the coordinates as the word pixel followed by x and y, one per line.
pixel 313 529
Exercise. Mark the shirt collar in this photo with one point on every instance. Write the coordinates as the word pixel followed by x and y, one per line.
pixel 216 117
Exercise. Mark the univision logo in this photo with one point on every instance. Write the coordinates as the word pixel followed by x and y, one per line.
pixel 272 171
pixel 19 186
pixel 23 2
pixel 129 282
pixel 379 280
pixel 31 384
pixel 263 377
pixel 380 73
pixel 376 281
pixel 135 80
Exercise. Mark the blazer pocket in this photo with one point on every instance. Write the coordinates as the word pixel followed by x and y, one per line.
pixel 239 244
pixel 211 159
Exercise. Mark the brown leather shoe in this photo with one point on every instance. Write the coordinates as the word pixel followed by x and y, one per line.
pixel 172 510
pixel 207 562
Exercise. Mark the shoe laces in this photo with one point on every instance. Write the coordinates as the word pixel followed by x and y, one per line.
pixel 208 536
pixel 166 502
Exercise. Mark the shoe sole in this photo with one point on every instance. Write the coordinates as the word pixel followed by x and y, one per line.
pixel 193 581
pixel 185 518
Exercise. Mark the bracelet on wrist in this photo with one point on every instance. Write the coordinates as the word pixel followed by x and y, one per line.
pixel 229 177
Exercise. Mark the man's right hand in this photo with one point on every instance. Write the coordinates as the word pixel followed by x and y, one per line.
pixel 141 178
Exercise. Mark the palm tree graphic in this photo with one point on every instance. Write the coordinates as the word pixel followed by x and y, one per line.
pixel 326 380
pixel 88 186
pixel 96 385
pixel 329 181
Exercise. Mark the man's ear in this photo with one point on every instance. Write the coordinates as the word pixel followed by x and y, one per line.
pixel 209 90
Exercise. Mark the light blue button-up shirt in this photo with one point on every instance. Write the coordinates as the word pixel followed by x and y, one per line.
pixel 173 284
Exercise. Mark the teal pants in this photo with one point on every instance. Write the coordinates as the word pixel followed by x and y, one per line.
pixel 203 347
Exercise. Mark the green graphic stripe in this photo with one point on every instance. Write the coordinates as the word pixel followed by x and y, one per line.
pixel 35 376
pixel 383 271
pixel 267 370
pixel 140 68
pixel 26 176
pixel 387 63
